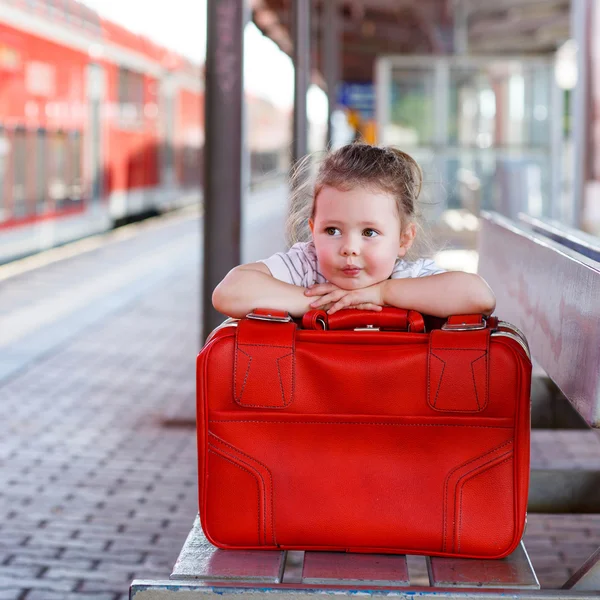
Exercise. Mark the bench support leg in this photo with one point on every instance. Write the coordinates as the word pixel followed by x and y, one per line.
pixel 587 577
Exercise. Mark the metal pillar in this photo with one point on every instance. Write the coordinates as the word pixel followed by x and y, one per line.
pixel 301 76
pixel 580 15
pixel 331 50
pixel 223 150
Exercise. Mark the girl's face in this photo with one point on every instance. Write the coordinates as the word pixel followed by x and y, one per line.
pixel 357 236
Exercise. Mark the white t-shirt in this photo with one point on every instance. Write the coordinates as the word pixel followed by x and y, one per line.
pixel 299 266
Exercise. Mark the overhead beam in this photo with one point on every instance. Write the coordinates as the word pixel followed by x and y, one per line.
pixel 492 27
pixel 498 5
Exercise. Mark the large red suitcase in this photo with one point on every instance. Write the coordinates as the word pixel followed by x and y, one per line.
pixel 361 432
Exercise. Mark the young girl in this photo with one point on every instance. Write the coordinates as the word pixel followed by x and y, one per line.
pixel 362 219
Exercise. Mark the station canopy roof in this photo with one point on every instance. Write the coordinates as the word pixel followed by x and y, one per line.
pixel 374 27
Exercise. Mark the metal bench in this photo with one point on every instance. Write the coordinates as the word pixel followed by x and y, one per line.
pixel 202 568
pixel 562 328
pixel 547 282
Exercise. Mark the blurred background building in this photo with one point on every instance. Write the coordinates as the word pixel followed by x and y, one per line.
pixel 101 107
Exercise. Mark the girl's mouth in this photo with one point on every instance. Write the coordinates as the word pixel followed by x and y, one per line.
pixel 351 271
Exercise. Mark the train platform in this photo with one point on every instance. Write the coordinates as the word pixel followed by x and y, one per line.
pixel 98 484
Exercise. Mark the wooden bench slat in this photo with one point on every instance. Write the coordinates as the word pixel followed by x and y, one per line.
pixel 340 568
pixel 199 559
pixel 514 571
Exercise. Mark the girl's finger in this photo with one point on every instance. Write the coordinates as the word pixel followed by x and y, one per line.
pixel 343 303
pixel 319 289
pixel 367 306
pixel 328 298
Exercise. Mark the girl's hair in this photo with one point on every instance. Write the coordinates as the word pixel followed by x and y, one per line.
pixel 382 169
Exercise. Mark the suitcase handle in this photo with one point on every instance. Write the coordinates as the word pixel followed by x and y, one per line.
pixel 388 317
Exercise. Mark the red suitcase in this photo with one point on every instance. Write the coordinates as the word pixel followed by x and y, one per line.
pixel 361 432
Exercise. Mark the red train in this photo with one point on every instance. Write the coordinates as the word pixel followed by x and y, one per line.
pixel 96 124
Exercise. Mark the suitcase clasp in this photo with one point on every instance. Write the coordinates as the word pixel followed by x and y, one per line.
pixel 367 328
pixel 269 317
pixel 464 326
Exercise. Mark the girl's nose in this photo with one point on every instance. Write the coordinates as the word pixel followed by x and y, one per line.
pixel 350 248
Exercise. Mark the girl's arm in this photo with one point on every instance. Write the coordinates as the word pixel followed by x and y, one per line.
pixel 442 295
pixel 252 286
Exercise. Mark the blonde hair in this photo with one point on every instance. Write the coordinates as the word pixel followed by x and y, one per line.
pixel 383 169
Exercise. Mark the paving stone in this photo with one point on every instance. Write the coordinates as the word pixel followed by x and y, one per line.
pixel 66 572
pixel 112 557
pixel 45 595
pixel 108 585
pixel 25 571
pixel 63 585
pixel 48 562
pixel 37 540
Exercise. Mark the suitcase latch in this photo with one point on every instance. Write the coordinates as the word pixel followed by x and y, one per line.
pixel 269 317
pixel 367 328
pixel 463 326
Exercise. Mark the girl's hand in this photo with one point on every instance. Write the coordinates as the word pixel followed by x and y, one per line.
pixel 333 298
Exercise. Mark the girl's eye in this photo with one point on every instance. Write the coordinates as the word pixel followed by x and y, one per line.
pixel 332 230
pixel 370 233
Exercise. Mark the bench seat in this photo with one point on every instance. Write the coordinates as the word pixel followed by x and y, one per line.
pixel 199 560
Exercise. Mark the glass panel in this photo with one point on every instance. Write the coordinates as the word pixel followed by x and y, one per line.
pixel 483 133
pixel 500 129
pixel 412 114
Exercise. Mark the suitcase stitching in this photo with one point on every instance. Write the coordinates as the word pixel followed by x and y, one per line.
pixel 268 472
pixel 475 384
pixel 361 423
pixel 456 469
pixel 285 404
pixel 256 481
pixel 480 408
pixel 239 401
pixel 440 382
pixel 263 345
pixel 509 457
pixel 281 378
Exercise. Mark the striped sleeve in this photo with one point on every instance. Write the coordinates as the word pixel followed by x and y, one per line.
pixel 419 268
pixel 294 266
pixel 426 266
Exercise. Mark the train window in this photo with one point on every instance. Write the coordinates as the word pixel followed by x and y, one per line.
pixel 4 159
pixel 57 183
pixel 20 174
pixel 131 97
pixel 122 87
pixel 41 179
pixel 75 191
